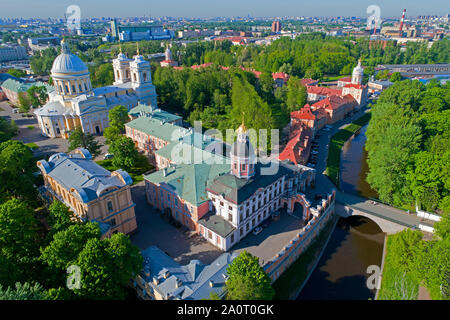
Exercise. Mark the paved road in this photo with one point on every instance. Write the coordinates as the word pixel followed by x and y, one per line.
pixel 324 184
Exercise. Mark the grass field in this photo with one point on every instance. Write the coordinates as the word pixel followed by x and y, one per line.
pixel 336 144
pixel 136 173
pixel 30 127
pixel 293 278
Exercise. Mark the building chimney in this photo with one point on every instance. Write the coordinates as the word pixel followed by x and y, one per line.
pixel 401 21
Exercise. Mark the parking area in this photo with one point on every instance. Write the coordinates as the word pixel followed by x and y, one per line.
pixel 153 230
pixel 272 239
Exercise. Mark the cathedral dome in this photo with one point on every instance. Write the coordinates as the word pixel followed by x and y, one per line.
pixel 67 62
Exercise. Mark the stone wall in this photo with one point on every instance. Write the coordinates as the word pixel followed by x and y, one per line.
pixel 289 254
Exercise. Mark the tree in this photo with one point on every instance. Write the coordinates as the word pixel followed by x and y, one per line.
pixel 59 216
pixel 24 291
pixel 16 171
pixel 79 139
pixel 19 239
pixel 24 102
pixel 404 249
pixel 17 73
pixel 125 153
pixel 107 266
pixel 7 129
pixel 247 279
pixel 37 95
pixel 67 244
pixel 111 134
pixel 296 94
pixel 118 116
pixel 396 76
pixel 442 228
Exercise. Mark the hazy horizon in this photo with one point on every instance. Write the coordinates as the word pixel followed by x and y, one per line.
pixel 209 8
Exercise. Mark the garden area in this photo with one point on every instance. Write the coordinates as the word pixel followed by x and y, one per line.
pixel 136 172
pixel 336 144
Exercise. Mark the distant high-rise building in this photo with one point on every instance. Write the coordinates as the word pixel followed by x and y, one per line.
pixel 276 26
pixel 114 28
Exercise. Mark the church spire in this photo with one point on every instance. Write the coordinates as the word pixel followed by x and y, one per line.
pixel 242 128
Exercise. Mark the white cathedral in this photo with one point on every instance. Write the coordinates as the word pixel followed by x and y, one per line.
pixel 75 103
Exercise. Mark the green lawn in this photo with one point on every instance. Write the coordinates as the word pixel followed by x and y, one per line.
pixel 336 144
pixel 30 127
pixel 136 173
pixel 296 274
pixel 396 285
pixel 334 78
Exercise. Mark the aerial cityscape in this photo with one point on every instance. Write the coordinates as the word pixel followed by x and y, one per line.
pixel 258 152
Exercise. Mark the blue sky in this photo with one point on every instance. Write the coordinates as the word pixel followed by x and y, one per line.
pixel 213 8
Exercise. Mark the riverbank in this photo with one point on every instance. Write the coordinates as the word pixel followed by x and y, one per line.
pixel 395 285
pixel 290 283
pixel 337 142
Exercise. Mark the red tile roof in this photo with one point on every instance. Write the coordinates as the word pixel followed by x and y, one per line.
pixel 345 79
pixel 308 81
pixel 334 102
pixel 323 91
pixel 352 85
pixel 280 75
pixel 295 150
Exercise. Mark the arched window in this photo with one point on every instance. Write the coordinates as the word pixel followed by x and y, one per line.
pixel 118 74
pixel 145 76
pixel 134 77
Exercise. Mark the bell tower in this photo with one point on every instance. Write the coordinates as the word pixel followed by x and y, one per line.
pixel 141 80
pixel 121 66
pixel 243 158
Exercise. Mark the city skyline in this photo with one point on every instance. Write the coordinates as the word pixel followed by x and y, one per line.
pixel 206 9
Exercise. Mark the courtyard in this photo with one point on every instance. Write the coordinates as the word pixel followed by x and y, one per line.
pixel 183 246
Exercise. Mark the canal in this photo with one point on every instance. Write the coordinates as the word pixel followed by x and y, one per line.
pixel 356 242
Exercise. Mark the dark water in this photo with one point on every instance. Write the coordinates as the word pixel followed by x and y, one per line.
pixel 354 166
pixel 356 243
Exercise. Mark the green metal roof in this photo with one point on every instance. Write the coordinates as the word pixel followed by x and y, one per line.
pixel 18 86
pixel 178 150
pixel 157 114
pixel 189 181
pixel 160 129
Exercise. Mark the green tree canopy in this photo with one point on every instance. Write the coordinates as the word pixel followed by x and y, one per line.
pixel 125 153
pixel 247 279
pixel 79 139
pixel 16 171
pixel 118 116
pixel 107 266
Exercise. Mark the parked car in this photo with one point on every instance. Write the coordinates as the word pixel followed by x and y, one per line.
pixel 108 156
pixel 318 197
pixel 265 223
pixel 311 165
pixel 15 110
pixel 257 231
